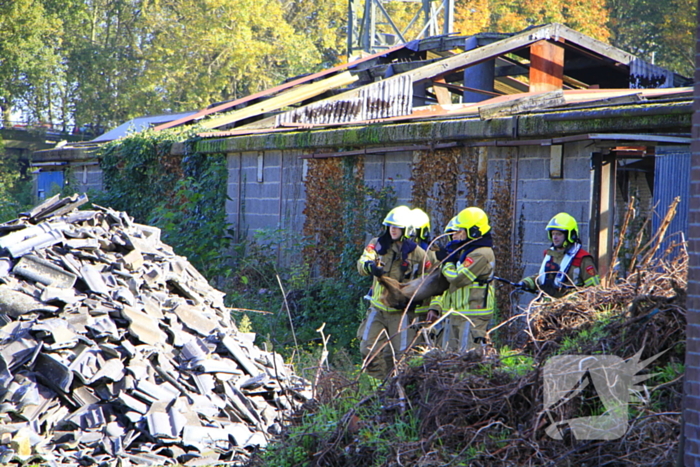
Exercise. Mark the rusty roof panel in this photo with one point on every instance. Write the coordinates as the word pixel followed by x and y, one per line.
pixel 383 99
pixel 646 75
pixel 281 87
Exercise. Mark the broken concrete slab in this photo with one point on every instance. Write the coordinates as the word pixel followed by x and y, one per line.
pixel 16 303
pixel 195 320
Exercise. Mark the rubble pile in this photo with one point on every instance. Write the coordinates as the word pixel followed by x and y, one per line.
pixel 116 351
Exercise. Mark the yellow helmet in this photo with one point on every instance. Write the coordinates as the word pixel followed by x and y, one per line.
pixel 450 227
pixel 564 223
pixel 399 217
pixel 420 223
pixel 474 221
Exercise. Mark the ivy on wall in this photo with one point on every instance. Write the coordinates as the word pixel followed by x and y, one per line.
pixel 184 196
pixel 341 211
pixel 435 176
pixel 508 247
pixel 139 172
pixel 323 213
pixel 438 177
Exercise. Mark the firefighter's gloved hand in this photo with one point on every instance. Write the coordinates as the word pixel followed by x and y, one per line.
pixel 450 256
pixel 446 256
pixel 372 268
pixel 432 316
pixel 526 284
pixel 454 251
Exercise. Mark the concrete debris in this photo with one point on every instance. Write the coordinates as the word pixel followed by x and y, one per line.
pixel 116 351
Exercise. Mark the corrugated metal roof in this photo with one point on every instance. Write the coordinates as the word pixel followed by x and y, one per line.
pixel 578 96
pixel 383 99
pixel 137 125
pixel 646 75
pixel 281 87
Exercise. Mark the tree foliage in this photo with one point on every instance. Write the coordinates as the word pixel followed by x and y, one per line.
pixel 585 16
pixel 661 32
pixel 201 52
pixel 29 39
pixel 102 62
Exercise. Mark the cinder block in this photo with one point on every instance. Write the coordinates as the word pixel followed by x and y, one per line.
pixel 272 159
pixel 263 222
pixel 233 161
pixel 262 206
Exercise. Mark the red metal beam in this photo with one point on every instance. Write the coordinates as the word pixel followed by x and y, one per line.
pixel 546 66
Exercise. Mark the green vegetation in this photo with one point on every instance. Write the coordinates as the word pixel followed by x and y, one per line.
pixel 584 339
pixel 15 186
pixel 100 63
pixel 352 415
pixel 514 361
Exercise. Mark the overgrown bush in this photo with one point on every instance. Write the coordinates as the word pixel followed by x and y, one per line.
pixel 296 303
pixel 15 186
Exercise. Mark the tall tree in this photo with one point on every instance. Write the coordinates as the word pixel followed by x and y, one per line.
pixel 678 37
pixel 659 31
pixel 472 16
pixel 29 38
pixel 105 62
pixel 324 23
pixel 586 16
pixel 205 51
pixel 636 25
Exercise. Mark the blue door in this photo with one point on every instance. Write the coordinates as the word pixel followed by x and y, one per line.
pixel 48 183
pixel 671 180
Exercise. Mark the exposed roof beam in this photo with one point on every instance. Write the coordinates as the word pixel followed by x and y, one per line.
pixel 283 99
pixel 546 66
pixel 305 79
pixel 440 68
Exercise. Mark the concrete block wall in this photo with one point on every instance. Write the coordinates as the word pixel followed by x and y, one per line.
pixel 278 200
pixel 88 177
pixel 266 191
pixel 540 197
pixel 390 170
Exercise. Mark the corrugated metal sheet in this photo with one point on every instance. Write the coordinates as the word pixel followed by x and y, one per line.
pixel 578 96
pixel 671 179
pixel 383 99
pixel 282 87
pixel 646 75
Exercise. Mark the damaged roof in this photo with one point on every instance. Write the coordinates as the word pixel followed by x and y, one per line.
pixel 427 78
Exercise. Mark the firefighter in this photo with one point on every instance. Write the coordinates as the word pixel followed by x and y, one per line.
pixel 395 255
pixel 420 233
pixel 420 226
pixel 566 265
pixel 468 264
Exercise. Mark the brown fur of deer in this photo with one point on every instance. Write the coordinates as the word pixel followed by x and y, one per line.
pixel 398 295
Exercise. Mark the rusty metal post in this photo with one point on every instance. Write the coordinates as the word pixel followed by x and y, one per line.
pixel 546 67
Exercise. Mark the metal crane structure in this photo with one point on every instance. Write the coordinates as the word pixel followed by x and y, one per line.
pixel 372 29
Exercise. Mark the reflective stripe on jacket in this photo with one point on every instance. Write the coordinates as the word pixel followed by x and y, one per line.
pixel 471 291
